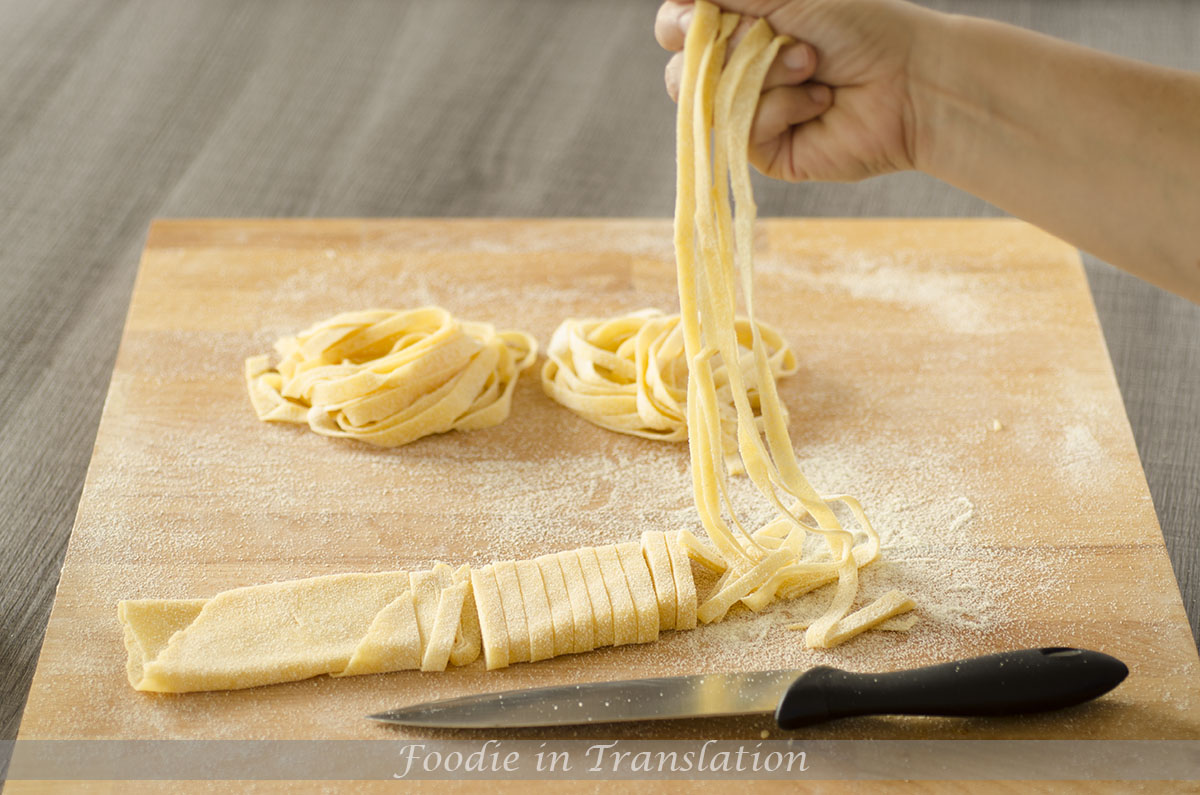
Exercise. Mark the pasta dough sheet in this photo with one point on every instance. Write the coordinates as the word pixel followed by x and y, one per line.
pixel 258 635
pixel 350 624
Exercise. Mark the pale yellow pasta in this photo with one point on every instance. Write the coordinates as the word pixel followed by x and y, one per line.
pixel 278 632
pixel 493 629
pixel 445 627
pixel 624 616
pixel 714 258
pixel 685 587
pixel 388 377
pixel 537 610
pixel 426 588
pixel 873 616
pixel 584 623
pixel 467 640
pixel 629 373
pixel 392 643
pixel 560 604
pixel 641 590
pixel 514 610
pixel 602 606
pixel 658 560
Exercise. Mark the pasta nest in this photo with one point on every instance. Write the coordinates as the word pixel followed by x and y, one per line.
pixel 388 377
pixel 629 373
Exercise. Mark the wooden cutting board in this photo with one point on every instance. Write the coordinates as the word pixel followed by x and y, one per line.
pixel 953 377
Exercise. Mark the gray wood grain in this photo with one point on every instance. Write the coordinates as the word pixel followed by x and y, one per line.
pixel 113 112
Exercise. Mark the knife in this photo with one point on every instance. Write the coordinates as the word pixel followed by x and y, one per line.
pixel 1008 683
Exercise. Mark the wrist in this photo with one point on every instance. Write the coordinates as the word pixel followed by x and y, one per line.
pixel 932 64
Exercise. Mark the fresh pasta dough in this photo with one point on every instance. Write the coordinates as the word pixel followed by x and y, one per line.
pixel 510 611
pixel 629 373
pixel 256 635
pixel 351 624
pixel 714 257
pixel 388 377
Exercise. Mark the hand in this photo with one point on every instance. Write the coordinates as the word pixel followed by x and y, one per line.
pixel 837 105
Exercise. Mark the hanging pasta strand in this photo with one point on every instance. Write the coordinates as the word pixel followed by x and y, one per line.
pixel 714 255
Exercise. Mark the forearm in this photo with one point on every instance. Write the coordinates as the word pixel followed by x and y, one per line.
pixel 1099 150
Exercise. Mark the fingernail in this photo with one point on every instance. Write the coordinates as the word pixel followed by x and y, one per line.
pixel 685 20
pixel 818 93
pixel 796 57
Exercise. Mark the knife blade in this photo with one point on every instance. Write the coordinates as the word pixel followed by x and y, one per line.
pixel 1012 682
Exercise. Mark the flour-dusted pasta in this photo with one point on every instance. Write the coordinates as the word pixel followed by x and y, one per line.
pixel 629 373
pixel 350 624
pixel 714 257
pixel 467 640
pixel 658 560
pixel 514 610
pixel 445 627
pixel 624 615
pixel 582 617
pixel 602 605
pixel 537 610
pixel 388 377
pixel 641 590
pixel 560 604
pixel 427 588
pixel 392 643
pixel 493 629
pixel 256 635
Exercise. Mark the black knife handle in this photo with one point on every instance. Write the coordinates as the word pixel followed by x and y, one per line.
pixel 1008 683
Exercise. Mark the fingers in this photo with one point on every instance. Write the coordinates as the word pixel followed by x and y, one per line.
pixel 793 65
pixel 787 117
pixel 670 26
pixel 780 108
pixel 674 74
pixel 675 65
pixel 788 97
pixel 674 18
pixel 819 149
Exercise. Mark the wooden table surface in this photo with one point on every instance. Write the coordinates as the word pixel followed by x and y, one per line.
pixel 119 112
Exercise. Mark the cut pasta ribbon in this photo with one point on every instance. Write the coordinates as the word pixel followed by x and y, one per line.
pixel 505 612
pixel 629 374
pixel 714 256
pixel 389 377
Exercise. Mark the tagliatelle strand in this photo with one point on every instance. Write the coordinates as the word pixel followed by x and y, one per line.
pixel 714 253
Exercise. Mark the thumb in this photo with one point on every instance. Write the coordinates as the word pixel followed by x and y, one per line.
pixel 675 16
